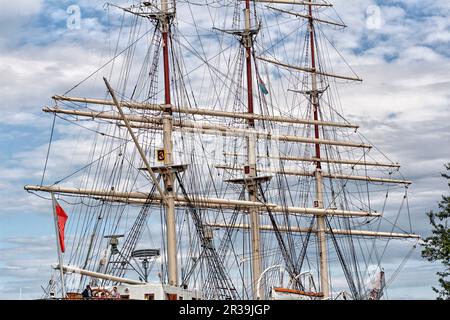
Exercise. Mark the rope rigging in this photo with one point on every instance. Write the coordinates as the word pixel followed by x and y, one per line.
pixel 207 70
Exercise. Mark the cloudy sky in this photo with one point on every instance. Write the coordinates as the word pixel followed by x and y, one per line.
pixel 400 48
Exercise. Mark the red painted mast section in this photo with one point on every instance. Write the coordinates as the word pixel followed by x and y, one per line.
pixel 166 67
pixel 248 53
pixel 314 94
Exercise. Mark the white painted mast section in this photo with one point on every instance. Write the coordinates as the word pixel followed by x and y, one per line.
pixel 322 238
pixel 170 196
pixel 254 216
pixel 58 248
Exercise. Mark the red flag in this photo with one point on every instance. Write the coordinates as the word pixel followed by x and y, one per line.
pixel 61 217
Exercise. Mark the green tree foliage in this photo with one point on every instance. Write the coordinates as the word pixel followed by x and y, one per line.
pixel 437 246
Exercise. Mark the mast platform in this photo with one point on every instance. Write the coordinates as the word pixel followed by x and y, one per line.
pixel 250 180
pixel 167 169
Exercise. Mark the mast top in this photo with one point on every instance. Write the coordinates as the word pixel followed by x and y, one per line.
pixel 148 10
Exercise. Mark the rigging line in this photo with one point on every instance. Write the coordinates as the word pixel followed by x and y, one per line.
pixel 367 184
pixel 206 61
pixel 342 57
pixel 210 275
pixel 221 76
pixel 408 210
pixel 203 49
pixel 329 60
pixel 400 267
pixel 346 222
pixel 48 150
pixel 177 65
pixel 303 253
pixel 131 54
pixel 287 257
pixel 109 213
pixel 394 224
pixel 194 52
pixel 81 202
pixel 75 122
pixel 146 63
pixel 117 42
pixel 282 195
pixel 107 63
pixel 282 40
pixel 338 15
pixel 104 156
pixel 374 249
pixel 347 272
pixel 190 254
pixel 94 148
pixel 135 234
pixel 216 268
pixel 86 166
pixel 227 238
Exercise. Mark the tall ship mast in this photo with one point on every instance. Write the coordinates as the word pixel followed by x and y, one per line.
pixel 212 160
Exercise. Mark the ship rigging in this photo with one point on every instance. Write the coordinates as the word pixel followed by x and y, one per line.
pixel 218 163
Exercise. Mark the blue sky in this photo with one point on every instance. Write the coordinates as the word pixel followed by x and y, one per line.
pixel 403 107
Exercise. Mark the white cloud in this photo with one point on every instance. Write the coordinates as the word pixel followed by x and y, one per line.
pixel 19 9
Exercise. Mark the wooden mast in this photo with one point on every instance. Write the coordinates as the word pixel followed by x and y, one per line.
pixel 250 171
pixel 318 203
pixel 172 265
